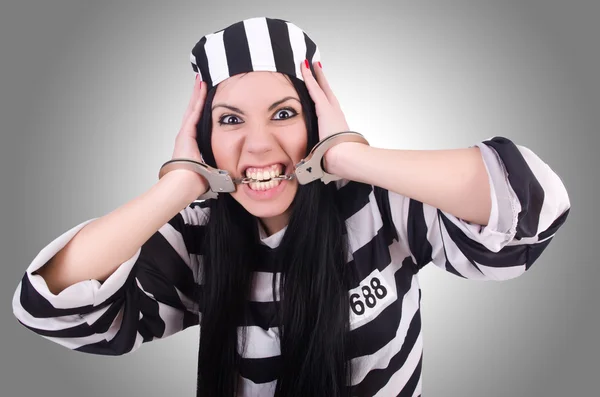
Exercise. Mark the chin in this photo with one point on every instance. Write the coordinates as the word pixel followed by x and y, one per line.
pixel 267 207
pixel 267 211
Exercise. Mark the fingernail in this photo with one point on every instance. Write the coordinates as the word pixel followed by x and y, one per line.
pixel 306 63
pixel 319 63
pixel 197 75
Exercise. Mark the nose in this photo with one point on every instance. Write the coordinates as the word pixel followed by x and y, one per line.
pixel 259 140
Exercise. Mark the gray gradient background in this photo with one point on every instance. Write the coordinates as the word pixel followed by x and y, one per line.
pixel 92 95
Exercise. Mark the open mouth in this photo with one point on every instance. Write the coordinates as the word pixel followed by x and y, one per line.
pixel 264 176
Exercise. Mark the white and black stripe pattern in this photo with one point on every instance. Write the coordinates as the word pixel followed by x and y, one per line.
pixel 255 44
pixel 153 294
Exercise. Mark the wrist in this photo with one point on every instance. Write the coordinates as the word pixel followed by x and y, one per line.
pixel 191 184
pixel 335 157
pixel 330 158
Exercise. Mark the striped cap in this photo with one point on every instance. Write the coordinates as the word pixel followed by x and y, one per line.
pixel 251 45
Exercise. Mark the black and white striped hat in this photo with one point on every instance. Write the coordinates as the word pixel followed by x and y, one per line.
pixel 251 45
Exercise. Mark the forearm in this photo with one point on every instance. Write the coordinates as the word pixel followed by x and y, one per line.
pixel 454 180
pixel 98 249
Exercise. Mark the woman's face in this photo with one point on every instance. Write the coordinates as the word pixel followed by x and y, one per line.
pixel 258 131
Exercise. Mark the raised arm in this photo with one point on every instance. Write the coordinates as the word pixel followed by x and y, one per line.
pixel 484 212
pixel 119 280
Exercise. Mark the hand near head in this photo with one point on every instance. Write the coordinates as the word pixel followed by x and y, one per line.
pixel 331 119
pixel 186 145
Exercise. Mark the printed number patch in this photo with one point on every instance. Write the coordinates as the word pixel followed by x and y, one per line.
pixel 368 299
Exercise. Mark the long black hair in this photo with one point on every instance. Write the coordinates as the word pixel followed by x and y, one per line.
pixel 311 257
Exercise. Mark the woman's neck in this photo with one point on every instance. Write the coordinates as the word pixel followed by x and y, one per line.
pixel 275 223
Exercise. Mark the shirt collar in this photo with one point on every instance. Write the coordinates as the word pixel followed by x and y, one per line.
pixel 273 240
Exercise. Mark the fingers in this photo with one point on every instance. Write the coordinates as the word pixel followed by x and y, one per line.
pixel 194 110
pixel 193 98
pixel 318 88
pixel 324 84
pixel 315 91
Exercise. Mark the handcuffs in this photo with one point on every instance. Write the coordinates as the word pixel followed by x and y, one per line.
pixel 307 170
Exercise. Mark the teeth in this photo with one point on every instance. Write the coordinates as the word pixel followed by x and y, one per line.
pixel 260 186
pixel 264 173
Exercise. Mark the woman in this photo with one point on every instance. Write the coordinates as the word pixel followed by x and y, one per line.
pixel 300 290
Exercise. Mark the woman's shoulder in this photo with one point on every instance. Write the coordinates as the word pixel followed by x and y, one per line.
pixel 194 214
pixel 361 200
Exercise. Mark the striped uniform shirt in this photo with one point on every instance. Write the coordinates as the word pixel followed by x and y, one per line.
pixel 391 237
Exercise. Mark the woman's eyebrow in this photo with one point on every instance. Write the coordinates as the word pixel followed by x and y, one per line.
pixel 222 105
pixel 273 106
pixel 279 102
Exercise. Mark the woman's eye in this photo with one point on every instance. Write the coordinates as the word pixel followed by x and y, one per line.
pixel 229 119
pixel 285 114
pixel 282 114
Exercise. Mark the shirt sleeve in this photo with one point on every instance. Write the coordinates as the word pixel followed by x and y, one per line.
pixel 150 296
pixel 529 204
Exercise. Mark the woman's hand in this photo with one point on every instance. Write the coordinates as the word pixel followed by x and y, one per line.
pixel 330 115
pixel 186 145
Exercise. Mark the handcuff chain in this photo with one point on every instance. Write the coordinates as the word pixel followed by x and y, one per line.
pixel 287 177
pixel 307 170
